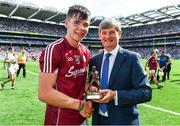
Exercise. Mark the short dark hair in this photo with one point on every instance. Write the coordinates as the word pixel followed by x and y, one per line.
pixel 152 52
pixel 108 23
pixel 78 11
pixel 10 48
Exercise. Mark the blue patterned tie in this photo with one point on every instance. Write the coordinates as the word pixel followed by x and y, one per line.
pixel 104 79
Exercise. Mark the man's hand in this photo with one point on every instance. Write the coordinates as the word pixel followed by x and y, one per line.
pixel 108 95
pixel 86 109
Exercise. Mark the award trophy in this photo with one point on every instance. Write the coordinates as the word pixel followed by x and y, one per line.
pixel 94 81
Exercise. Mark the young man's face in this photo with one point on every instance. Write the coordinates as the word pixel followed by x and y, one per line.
pixel 154 54
pixel 109 38
pixel 11 50
pixel 162 52
pixel 76 29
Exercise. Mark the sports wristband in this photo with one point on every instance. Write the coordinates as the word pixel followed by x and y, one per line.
pixel 81 106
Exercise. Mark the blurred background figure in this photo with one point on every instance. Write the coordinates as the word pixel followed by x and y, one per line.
pixel 169 66
pixel 8 56
pixel 22 62
pixel 163 62
pixel 12 67
pixel 153 65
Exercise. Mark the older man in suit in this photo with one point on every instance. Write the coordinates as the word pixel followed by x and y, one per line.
pixel 123 81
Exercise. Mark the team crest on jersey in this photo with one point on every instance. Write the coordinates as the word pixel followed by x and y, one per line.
pixel 77 59
pixel 69 58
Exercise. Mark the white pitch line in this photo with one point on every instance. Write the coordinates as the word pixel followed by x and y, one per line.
pixel 145 105
pixel 160 109
pixel 33 73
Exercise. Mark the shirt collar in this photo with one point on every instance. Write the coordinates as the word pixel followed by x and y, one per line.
pixel 113 52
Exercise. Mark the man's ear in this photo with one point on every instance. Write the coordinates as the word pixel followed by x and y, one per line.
pixel 66 22
pixel 99 33
pixel 120 34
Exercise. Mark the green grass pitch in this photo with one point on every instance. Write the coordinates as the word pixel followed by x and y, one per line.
pixel 22 107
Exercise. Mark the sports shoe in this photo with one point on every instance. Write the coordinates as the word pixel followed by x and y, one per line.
pixel 13 87
pixel 2 86
pixel 159 87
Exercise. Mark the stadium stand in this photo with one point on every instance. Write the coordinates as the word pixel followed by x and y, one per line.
pixel 32 28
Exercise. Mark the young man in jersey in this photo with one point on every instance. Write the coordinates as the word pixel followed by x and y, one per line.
pixel 153 66
pixel 12 67
pixel 63 74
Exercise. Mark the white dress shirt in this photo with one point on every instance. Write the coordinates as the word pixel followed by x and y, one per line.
pixel 111 64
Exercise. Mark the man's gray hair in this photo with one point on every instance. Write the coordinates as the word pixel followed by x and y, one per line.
pixel 109 23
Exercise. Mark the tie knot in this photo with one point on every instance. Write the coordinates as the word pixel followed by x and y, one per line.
pixel 108 55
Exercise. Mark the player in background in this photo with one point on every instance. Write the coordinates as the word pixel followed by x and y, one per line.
pixel 169 66
pixel 12 67
pixel 153 65
pixel 163 61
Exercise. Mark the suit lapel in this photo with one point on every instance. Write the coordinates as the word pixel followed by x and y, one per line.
pixel 99 62
pixel 118 61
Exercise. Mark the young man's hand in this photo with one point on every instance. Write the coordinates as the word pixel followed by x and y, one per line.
pixel 86 109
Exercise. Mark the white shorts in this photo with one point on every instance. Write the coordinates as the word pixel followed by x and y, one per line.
pixel 13 68
pixel 152 71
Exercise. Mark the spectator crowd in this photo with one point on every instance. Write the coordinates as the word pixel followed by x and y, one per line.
pixel 23 26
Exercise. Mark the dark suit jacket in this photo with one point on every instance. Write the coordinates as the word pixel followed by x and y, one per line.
pixel 131 83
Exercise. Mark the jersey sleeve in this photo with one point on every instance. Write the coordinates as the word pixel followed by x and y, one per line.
pixel 49 60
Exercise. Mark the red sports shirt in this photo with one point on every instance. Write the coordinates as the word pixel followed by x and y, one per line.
pixel 152 63
pixel 71 64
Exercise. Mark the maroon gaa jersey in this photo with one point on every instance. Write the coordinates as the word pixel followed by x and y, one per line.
pixel 152 63
pixel 71 65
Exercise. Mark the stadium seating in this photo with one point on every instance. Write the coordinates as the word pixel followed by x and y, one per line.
pixel 141 39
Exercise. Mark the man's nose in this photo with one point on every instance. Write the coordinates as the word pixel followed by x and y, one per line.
pixel 81 26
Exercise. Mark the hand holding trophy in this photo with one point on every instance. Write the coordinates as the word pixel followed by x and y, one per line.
pixel 93 91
